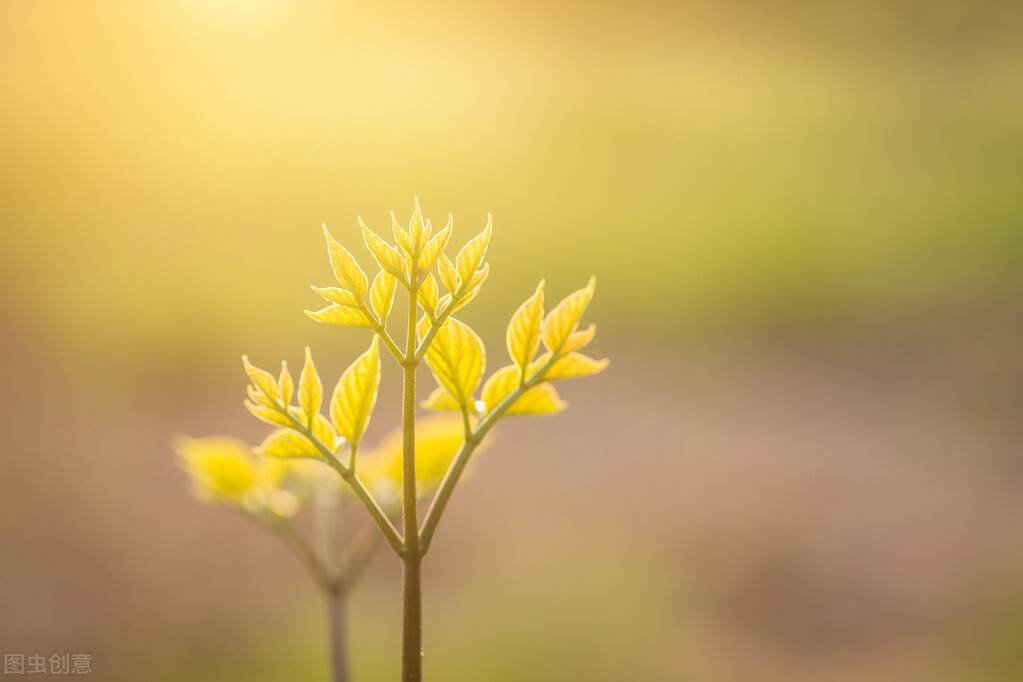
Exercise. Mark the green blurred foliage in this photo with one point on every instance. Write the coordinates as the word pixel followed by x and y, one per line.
pixel 167 166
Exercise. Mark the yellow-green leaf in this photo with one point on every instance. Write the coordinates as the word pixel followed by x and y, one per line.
pixel 428 294
pixel 285 384
pixel 337 295
pixel 448 274
pixel 258 397
pixel 287 443
pixel 580 339
pixel 471 256
pixel 541 399
pixel 340 314
pixel 457 358
pixel 438 440
pixel 574 365
pixel 523 336
pixel 261 379
pixel 468 297
pixel 221 469
pixel 563 320
pixel 440 400
pixel 418 229
pixel 386 255
pixel 346 269
pixel 267 414
pixel 477 280
pixel 356 394
pixel 401 236
pixel 310 389
pixel 322 429
pixel 434 247
pixel 381 294
pixel 442 304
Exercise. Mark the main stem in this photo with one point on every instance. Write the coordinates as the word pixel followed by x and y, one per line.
pixel 412 603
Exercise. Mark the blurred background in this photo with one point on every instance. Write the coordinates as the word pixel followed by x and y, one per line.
pixel 807 224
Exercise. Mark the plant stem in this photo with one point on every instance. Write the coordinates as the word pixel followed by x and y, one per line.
pixel 412 608
pixel 302 549
pixel 338 633
pixel 472 439
pixel 331 529
pixel 348 475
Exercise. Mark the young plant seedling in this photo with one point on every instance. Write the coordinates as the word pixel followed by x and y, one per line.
pixel 393 485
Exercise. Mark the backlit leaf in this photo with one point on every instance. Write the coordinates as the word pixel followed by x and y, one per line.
pixel 259 398
pixel 457 358
pixel 337 295
pixel 418 228
pixel 440 400
pixel 310 389
pixel 580 339
pixel 355 394
pixel 563 320
pixel 427 294
pixel 287 443
pixel 434 247
pixel 523 336
pixel 381 294
pixel 401 237
pixel 322 429
pixel 261 379
pixel 438 440
pixel 221 469
pixel 388 257
pixel 448 273
pixel 471 256
pixel 285 384
pixel 574 365
pixel 477 279
pixel 267 414
pixel 340 314
pixel 541 399
pixel 347 271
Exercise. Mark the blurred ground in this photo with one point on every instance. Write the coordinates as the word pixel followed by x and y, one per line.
pixel 807 224
pixel 833 511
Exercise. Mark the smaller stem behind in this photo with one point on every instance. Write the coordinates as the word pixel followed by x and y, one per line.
pixel 338 634
pixel 331 528
pixel 302 549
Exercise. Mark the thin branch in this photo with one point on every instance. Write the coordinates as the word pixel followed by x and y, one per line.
pixel 381 331
pixel 358 555
pixel 302 549
pixel 472 440
pixel 367 499
pixel 437 323
pixel 372 506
